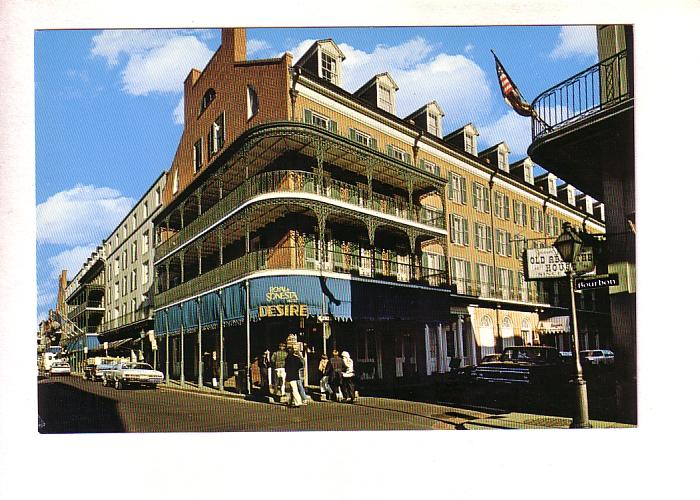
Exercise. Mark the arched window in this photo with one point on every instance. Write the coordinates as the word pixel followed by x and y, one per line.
pixel 507 332
pixel 526 332
pixel 487 341
pixel 208 97
pixel 252 101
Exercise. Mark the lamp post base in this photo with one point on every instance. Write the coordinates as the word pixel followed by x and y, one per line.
pixel 580 419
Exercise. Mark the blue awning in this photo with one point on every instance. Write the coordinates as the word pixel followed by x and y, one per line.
pixel 209 312
pixel 320 294
pixel 93 343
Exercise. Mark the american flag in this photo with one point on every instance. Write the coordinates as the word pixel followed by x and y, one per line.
pixel 510 91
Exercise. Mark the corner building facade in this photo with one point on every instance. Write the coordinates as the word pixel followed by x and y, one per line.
pixel 295 207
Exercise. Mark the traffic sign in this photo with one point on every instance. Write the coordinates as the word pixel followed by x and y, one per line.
pixel 600 281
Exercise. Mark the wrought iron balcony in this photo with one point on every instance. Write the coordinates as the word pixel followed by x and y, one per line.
pixel 585 94
pixel 123 320
pixel 297 181
pixel 354 262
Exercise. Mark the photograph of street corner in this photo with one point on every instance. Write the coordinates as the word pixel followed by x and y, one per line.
pixel 321 236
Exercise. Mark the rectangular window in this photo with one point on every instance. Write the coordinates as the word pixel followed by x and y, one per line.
pixel 133 280
pixel 196 157
pixel 505 283
pixel 536 219
pixel 431 167
pixel 501 206
pixel 433 124
pixel 519 243
pixel 216 136
pixel 460 277
pixel 457 188
pixel 480 198
pixel 158 196
pixel 519 213
pixel 362 138
pixel 145 210
pixel 252 102
pixel 116 266
pixel 398 153
pixel 503 161
pixel 501 242
pixel 133 223
pixel 144 242
pixel 328 68
pixel 144 273
pixel 483 237
pixel 459 233
pixel 384 98
pixel 485 280
pixel 134 250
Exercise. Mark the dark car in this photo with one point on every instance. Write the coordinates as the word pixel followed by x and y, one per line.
pixel 524 365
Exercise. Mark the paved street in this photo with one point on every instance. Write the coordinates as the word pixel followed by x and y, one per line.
pixel 72 405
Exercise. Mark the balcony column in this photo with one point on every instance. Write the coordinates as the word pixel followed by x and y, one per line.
pixel 199 259
pixel 182 349
pixel 371 230
pixel 247 242
pixel 220 241
pixel 318 170
pixel 167 349
pixel 200 381
pixel 321 216
pixel 220 186
pixel 370 192
pixel 182 266
pixel 182 217
pixel 167 274
pixel 412 255
pixel 199 201
pixel 409 188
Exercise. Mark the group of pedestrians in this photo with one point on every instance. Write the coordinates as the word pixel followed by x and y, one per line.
pixel 283 373
pixel 338 377
pixel 288 366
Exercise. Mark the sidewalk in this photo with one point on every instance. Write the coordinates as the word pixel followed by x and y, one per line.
pixel 449 416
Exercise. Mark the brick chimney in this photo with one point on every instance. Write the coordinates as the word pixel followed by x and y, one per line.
pixel 233 43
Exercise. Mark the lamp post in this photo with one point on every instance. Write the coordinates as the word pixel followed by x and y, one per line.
pixel 568 244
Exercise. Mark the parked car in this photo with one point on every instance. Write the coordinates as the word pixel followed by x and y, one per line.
pixel 95 367
pixel 524 365
pixel 124 375
pixel 59 368
pixel 598 357
pixel 490 358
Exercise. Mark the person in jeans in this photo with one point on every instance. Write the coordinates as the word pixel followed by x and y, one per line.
pixel 348 378
pixel 300 383
pixel 335 373
pixel 292 366
pixel 323 368
pixel 278 360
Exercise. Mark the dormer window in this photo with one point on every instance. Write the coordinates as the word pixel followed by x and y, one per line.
pixel 470 143
pixel 384 98
pixel 503 161
pixel 433 124
pixel 528 173
pixel 329 68
pixel 207 99
pixel 552 186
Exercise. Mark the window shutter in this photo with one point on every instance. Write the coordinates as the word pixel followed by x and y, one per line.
pixel 373 143
pixel 474 195
pixel 421 164
pixel 450 192
pixel 463 190
pixel 532 218
pixel 465 228
pixel 437 172
pixel 307 116
pixel 509 244
pixel 390 150
pixel 524 215
pixel 452 228
pixel 506 205
pixel 333 126
pixel 489 239
pixel 487 200
pixel 351 132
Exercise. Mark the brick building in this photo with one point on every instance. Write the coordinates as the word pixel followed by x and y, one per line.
pixel 295 206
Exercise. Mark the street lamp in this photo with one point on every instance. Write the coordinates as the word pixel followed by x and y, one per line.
pixel 568 244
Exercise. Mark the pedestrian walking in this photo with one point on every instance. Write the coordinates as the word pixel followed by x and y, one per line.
pixel 300 382
pixel 214 370
pixel 335 374
pixel 323 368
pixel 278 359
pixel 348 378
pixel 264 367
pixel 292 366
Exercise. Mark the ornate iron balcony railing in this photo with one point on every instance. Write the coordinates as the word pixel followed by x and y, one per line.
pixel 589 92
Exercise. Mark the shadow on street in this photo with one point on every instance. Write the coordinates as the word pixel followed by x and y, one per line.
pixel 66 409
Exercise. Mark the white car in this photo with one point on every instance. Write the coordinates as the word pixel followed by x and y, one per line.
pixel 132 374
pixel 598 357
pixel 59 368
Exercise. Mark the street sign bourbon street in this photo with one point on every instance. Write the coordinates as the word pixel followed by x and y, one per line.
pixel 597 281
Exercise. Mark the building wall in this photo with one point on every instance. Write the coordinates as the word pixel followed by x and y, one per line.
pixel 230 80
pixel 120 245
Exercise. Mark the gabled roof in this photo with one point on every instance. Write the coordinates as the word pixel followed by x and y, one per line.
pixel 422 108
pixel 369 82
pixel 494 148
pixel 315 46
pixel 461 130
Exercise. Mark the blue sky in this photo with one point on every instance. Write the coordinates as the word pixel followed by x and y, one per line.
pixel 108 106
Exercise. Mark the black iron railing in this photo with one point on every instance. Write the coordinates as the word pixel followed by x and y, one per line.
pixel 592 90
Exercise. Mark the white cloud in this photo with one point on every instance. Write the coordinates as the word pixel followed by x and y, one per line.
pixel 179 112
pixel 422 76
pixel 80 215
pixel 157 60
pixel 71 260
pixel 253 46
pixel 575 41
pixel 512 128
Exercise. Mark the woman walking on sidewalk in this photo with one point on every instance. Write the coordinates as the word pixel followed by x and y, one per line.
pixel 348 378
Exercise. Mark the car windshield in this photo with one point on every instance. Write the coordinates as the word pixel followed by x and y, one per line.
pixel 531 354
